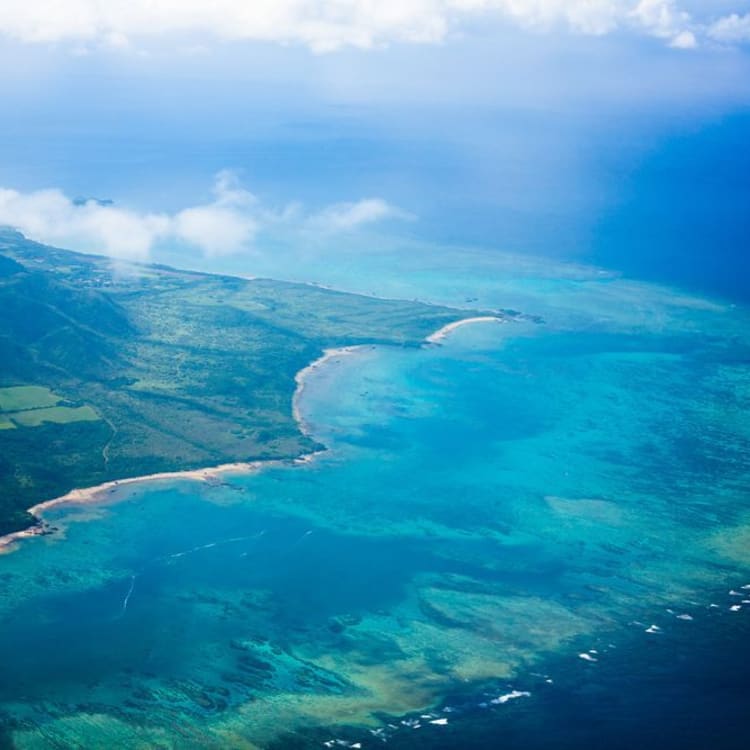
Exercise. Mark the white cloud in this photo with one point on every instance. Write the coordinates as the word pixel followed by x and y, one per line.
pixel 584 16
pixel 216 230
pixel 662 18
pixel 50 216
pixel 326 25
pixel 228 224
pixel 348 216
pixel 224 226
pixel 731 29
pixel 684 40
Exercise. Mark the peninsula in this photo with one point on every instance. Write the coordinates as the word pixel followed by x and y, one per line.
pixel 109 372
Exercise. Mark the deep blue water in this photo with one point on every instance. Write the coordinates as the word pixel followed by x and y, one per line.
pixel 684 215
pixel 688 693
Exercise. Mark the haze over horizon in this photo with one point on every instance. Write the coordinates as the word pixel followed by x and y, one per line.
pixel 611 132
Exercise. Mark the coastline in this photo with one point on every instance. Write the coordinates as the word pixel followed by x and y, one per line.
pixel 99 493
pixel 442 333
pixel 303 374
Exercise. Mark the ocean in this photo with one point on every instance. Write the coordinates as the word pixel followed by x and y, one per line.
pixel 533 534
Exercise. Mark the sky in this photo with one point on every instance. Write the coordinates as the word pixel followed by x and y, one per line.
pixel 211 133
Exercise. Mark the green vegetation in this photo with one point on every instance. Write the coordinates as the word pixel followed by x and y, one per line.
pixel 33 405
pixel 152 369
pixel 56 414
pixel 26 397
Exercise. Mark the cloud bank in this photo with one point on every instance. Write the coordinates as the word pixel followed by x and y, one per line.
pixel 326 25
pixel 732 29
pixel 226 225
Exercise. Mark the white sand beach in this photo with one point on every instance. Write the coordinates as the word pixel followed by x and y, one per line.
pixel 439 335
pixel 301 377
pixel 105 491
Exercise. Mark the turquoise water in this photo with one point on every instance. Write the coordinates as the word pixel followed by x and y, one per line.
pixel 526 526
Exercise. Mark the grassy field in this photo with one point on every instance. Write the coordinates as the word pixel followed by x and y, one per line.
pixel 54 414
pixel 107 375
pixel 24 397
pixel 34 405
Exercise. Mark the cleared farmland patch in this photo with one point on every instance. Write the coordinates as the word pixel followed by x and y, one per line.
pixel 55 414
pixel 23 397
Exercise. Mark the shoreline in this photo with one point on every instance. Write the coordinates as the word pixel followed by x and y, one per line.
pixel 101 492
pixel 302 375
pixel 442 333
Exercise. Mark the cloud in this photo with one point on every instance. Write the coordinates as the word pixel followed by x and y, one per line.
pixel 731 29
pixel 223 227
pixel 683 40
pixel 216 230
pixel 663 19
pixel 226 225
pixel 50 216
pixel 325 25
pixel 349 216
